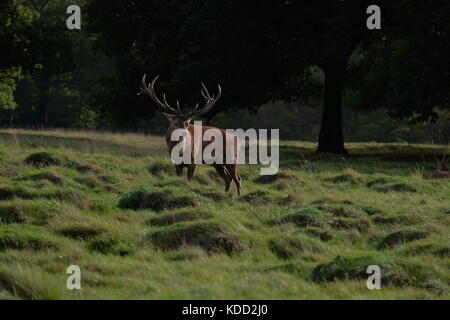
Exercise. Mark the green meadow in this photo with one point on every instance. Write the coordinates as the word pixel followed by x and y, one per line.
pixel 112 204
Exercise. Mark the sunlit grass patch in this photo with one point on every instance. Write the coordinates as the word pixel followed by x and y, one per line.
pixel 209 235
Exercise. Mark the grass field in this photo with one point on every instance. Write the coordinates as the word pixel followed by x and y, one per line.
pixel 111 204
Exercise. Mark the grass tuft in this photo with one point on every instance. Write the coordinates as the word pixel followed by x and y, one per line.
pixel 401 236
pixel 209 235
pixel 307 216
pixel 42 159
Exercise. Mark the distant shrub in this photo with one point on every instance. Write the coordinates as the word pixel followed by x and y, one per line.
pixel 208 235
pixel 42 159
pixel 155 199
pixel 401 236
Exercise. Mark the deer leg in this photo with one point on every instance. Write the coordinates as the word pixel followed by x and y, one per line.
pixel 179 170
pixel 232 169
pixel 224 174
pixel 191 169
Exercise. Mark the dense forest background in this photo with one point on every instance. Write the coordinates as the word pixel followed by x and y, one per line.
pixel 312 70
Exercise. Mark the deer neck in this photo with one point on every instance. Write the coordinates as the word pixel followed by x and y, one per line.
pixel 171 144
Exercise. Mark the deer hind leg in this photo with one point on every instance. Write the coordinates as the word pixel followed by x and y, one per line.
pixel 232 169
pixel 190 173
pixel 179 170
pixel 222 171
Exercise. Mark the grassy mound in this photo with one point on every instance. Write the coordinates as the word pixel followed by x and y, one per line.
pixel 269 179
pixel 209 235
pixel 37 175
pixel 260 197
pixel 320 233
pixel 82 168
pixel 400 237
pixel 360 224
pixel 306 217
pixel 348 176
pixel 177 216
pixel 89 181
pixel 427 247
pixel 386 185
pixel 42 159
pixel 160 167
pixel 155 199
pixel 340 210
pixel 11 214
pixel 108 244
pixel 28 211
pixel 393 218
pixel 343 268
pixel 355 268
pixel 19 236
pixel 80 230
pixel 8 192
pixel 287 247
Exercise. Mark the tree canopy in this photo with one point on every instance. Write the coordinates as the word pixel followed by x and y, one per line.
pixel 313 53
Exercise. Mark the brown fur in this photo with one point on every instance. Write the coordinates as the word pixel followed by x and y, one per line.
pixel 228 172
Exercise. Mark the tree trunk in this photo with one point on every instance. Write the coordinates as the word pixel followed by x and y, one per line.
pixel 331 137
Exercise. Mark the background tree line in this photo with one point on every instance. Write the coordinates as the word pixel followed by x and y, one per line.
pixel 311 68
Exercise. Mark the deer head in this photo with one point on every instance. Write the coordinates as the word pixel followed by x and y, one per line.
pixel 176 118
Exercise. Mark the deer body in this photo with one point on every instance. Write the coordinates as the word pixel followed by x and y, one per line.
pixel 195 137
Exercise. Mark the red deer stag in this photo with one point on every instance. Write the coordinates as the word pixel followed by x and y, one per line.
pixel 228 171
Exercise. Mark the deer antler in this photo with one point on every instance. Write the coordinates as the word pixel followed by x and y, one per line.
pixel 209 101
pixel 150 91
